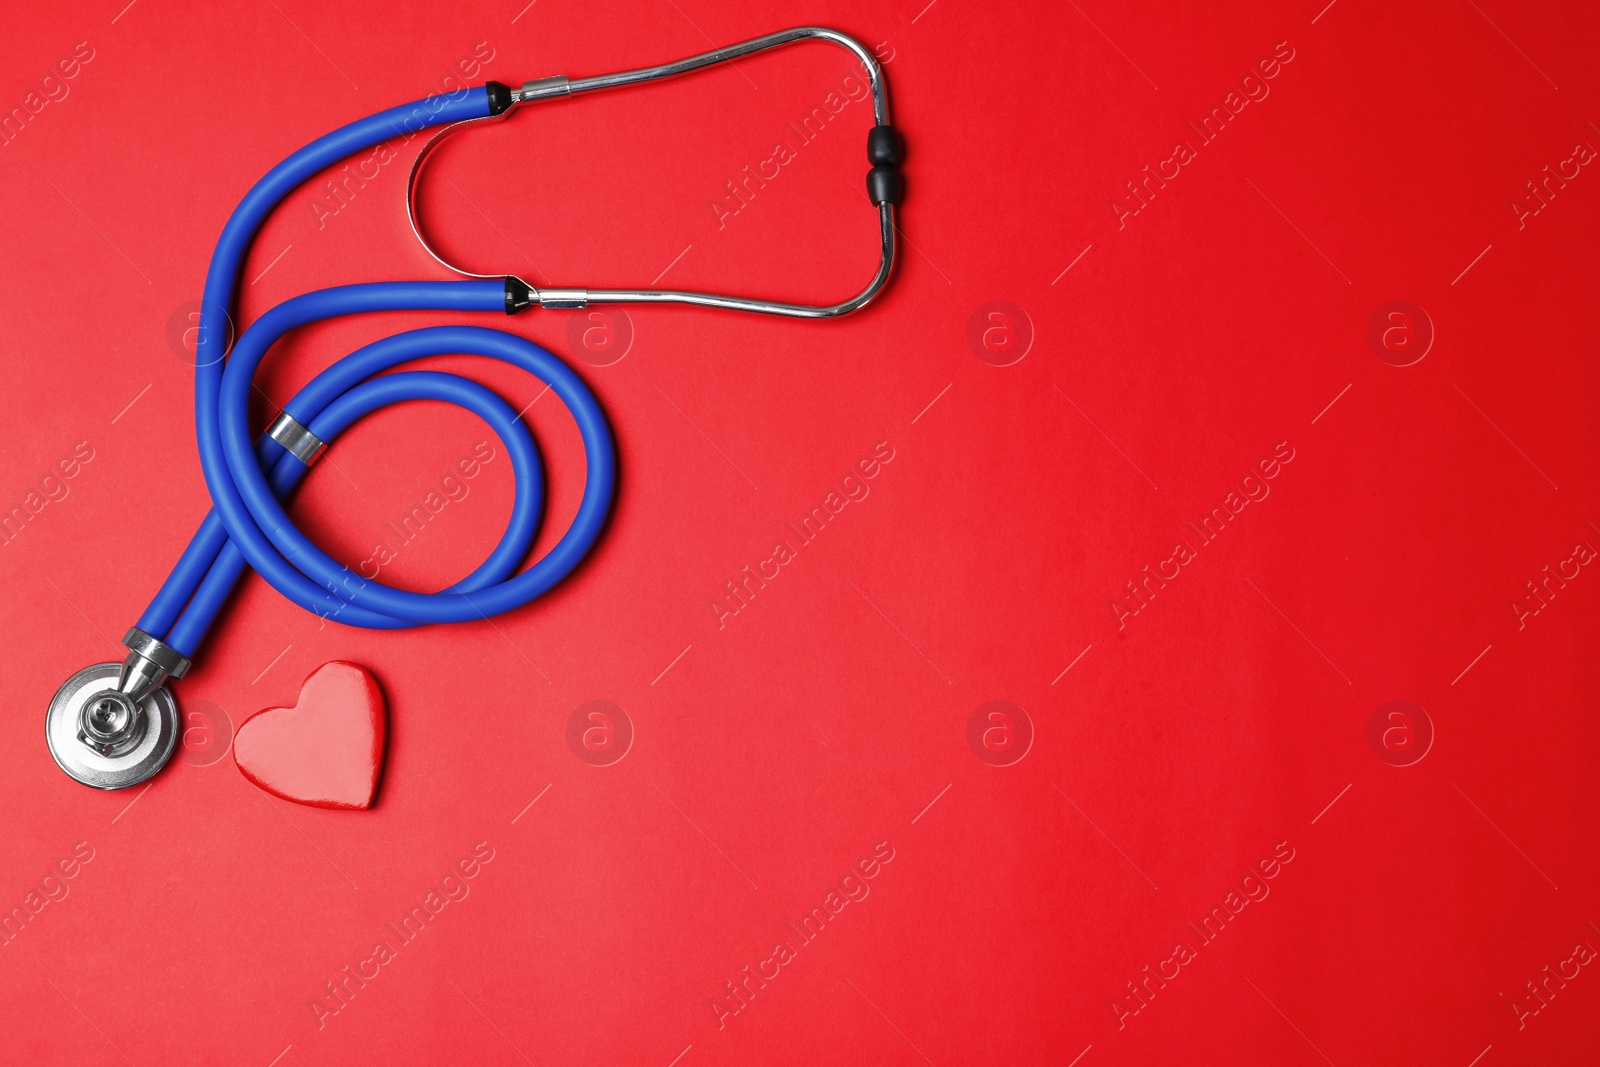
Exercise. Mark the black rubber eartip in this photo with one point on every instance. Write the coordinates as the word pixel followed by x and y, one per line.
pixel 884 146
pixel 885 150
pixel 885 184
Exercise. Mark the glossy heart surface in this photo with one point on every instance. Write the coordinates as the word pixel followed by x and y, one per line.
pixel 326 750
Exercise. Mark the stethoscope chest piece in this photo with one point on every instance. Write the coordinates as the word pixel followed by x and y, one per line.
pixel 104 738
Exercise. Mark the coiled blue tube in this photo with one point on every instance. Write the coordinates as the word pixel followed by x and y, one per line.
pixel 246 479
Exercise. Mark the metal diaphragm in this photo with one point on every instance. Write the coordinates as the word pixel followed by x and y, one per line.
pixel 103 739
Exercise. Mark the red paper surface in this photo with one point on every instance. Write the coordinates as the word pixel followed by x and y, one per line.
pixel 1054 388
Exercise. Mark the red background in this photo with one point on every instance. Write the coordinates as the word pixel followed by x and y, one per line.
pixel 1227 719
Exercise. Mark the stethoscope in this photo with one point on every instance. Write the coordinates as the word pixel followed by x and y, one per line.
pixel 113 725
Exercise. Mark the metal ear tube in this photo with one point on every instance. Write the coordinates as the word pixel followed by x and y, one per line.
pixel 885 185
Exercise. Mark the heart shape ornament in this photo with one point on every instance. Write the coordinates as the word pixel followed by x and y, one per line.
pixel 326 750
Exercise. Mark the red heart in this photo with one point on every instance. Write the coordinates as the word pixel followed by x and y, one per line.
pixel 327 750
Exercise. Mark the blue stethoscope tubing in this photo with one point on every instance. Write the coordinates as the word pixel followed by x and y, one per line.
pixel 248 524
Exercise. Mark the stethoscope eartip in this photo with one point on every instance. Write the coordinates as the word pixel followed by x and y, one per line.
pixel 103 737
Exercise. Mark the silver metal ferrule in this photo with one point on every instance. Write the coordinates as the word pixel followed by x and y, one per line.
pixel 301 442
pixel 562 298
pixel 149 664
pixel 540 88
